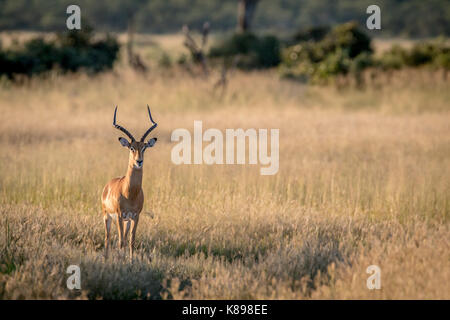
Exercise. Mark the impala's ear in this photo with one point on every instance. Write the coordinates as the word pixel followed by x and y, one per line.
pixel 124 142
pixel 151 142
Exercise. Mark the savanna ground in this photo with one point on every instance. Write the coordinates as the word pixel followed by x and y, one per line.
pixel 363 180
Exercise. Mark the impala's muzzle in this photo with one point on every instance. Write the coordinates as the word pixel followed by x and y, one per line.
pixel 139 163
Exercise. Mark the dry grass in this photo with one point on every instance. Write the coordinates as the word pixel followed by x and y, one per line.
pixel 364 179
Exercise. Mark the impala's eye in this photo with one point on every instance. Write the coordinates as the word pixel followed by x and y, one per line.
pixel 132 149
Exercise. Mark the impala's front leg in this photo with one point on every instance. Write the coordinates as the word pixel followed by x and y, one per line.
pixel 120 229
pixel 134 223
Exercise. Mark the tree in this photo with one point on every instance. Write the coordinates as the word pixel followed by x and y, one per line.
pixel 131 9
pixel 246 10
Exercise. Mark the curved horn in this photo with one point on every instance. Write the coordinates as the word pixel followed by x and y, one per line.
pixel 122 128
pixel 152 127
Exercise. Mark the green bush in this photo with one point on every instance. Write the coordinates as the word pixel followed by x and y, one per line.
pixel 71 51
pixel 254 52
pixel 348 37
pixel 361 62
pixel 433 53
pixel 320 55
pixel 311 34
pixel 393 58
pixel 37 56
pixel 442 60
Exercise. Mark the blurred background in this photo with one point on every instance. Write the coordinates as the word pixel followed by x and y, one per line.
pixel 413 18
pixel 311 41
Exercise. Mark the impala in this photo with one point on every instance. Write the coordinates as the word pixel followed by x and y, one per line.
pixel 123 198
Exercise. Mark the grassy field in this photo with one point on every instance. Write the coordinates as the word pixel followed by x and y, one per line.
pixel 363 180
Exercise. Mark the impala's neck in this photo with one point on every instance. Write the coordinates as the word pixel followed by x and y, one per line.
pixel 132 182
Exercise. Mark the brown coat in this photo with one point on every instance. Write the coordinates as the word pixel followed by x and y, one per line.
pixel 123 198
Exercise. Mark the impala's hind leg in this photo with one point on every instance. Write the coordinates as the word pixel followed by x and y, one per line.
pixel 107 221
pixel 126 229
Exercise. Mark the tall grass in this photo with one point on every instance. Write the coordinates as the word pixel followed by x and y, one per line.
pixel 364 179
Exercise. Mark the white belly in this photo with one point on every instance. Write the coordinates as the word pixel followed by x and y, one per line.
pixel 112 216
